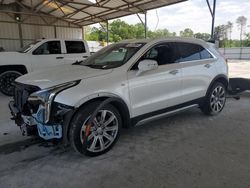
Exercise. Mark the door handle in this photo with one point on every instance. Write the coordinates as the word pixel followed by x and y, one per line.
pixel 207 66
pixel 174 72
pixel 85 56
pixel 59 57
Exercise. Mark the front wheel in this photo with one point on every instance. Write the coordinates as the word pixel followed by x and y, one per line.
pixel 215 99
pixel 103 133
pixel 6 79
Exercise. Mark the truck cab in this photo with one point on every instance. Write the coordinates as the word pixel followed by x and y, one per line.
pixel 39 55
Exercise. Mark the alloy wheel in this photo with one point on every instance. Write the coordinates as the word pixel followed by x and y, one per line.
pixel 103 131
pixel 217 99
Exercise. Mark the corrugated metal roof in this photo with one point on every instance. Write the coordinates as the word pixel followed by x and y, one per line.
pixel 86 12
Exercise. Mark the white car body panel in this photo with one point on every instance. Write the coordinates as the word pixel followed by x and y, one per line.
pixel 49 77
pixel 94 88
pixel 15 58
pixel 151 91
pixel 196 78
pixel 154 90
pixel 39 62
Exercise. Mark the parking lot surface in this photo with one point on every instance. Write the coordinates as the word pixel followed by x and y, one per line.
pixel 186 150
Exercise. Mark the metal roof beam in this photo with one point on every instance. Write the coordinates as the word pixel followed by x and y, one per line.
pixel 55 9
pixel 103 15
pixel 116 8
pixel 38 15
pixel 59 7
pixel 129 4
pixel 95 5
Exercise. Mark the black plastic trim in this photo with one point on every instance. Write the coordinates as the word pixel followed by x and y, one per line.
pixel 135 120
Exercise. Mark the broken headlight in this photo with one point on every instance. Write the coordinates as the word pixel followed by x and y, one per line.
pixel 45 98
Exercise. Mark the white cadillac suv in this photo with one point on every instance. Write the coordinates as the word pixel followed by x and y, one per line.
pixel 128 83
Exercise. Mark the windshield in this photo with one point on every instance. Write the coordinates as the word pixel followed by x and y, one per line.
pixel 26 48
pixel 112 56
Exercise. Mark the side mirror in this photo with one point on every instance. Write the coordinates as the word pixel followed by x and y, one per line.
pixel 146 65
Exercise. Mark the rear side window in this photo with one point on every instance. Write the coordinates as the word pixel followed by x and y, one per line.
pixel 205 54
pixel 75 47
pixel 47 48
pixel 192 52
pixel 188 52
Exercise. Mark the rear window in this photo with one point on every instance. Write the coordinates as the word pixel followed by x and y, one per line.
pixel 75 47
pixel 192 52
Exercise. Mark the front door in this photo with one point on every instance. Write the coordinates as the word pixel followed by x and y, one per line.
pixel 156 89
pixel 47 55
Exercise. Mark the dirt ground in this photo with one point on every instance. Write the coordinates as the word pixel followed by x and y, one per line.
pixel 186 150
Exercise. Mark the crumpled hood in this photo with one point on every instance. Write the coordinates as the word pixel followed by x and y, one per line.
pixel 60 74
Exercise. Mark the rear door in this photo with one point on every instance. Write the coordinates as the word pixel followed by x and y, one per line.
pixel 198 70
pixel 156 89
pixel 76 50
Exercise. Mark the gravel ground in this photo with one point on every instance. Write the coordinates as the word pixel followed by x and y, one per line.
pixel 185 150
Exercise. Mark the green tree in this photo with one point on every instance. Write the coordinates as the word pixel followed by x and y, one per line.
pixel 241 22
pixel 139 30
pixel 187 33
pixel 96 34
pixel 160 33
pixel 230 28
pixel 203 36
pixel 247 41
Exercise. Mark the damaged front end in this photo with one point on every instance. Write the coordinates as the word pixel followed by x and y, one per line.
pixel 35 111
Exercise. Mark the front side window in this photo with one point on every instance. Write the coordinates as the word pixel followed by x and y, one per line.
pixel 48 48
pixel 75 47
pixel 162 53
pixel 112 56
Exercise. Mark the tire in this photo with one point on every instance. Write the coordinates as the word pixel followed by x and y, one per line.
pixel 101 138
pixel 215 99
pixel 6 79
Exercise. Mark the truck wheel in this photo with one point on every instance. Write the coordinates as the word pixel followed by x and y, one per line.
pixel 6 79
pixel 215 99
pixel 103 133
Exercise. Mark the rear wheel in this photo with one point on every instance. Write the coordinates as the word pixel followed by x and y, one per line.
pixel 215 99
pixel 6 79
pixel 103 133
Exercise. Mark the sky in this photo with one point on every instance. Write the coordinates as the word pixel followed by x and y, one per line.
pixel 195 14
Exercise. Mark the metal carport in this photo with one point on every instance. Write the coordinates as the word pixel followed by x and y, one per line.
pixel 76 13
pixel 73 13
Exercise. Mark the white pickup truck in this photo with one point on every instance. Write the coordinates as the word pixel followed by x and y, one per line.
pixel 41 54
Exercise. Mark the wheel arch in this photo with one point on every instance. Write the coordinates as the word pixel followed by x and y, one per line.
pixel 219 78
pixel 117 102
pixel 19 68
